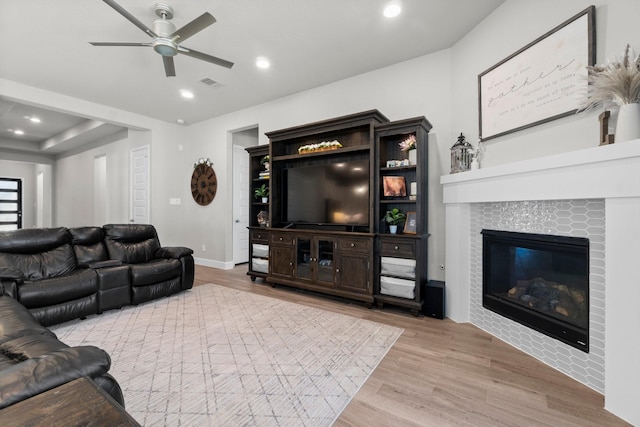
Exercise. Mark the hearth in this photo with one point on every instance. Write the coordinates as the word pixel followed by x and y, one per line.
pixel 540 281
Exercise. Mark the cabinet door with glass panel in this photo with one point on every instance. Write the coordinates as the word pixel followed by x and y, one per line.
pixel 315 260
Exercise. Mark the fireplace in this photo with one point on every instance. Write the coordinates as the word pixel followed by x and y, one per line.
pixel 540 281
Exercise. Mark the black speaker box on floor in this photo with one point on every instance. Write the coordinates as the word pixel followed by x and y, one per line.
pixel 434 299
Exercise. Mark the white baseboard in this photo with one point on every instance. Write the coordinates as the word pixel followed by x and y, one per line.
pixel 213 263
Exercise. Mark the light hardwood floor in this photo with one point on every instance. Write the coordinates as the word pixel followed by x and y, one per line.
pixel 440 373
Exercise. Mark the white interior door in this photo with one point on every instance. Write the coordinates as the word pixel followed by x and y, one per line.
pixel 140 185
pixel 240 205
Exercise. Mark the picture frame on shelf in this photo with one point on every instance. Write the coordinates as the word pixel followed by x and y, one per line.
pixel 394 186
pixel 540 82
pixel 411 223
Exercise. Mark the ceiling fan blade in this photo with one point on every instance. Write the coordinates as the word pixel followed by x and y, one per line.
pixel 193 27
pixel 204 57
pixel 119 44
pixel 135 21
pixel 169 67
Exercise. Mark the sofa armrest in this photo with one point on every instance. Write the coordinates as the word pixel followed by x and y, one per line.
pixel 10 273
pixel 37 375
pixel 101 264
pixel 173 252
pixel 10 278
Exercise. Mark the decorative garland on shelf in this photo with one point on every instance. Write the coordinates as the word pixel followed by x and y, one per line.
pixel 321 146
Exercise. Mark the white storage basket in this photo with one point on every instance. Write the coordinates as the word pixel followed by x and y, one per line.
pixel 397 287
pixel 400 267
pixel 260 250
pixel 260 265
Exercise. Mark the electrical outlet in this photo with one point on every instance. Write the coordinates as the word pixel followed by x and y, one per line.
pixel 204 248
pixel 175 201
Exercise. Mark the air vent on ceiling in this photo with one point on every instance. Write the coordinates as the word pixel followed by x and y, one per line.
pixel 210 82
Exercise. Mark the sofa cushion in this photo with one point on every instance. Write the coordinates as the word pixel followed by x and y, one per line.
pixel 30 346
pixel 155 272
pixel 34 376
pixel 131 243
pixel 37 266
pixel 16 321
pixel 43 293
pixel 32 240
pixel 88 245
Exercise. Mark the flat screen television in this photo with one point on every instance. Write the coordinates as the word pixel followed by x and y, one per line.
pixel 331 194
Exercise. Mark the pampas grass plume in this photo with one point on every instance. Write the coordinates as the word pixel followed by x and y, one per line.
pixel 617 82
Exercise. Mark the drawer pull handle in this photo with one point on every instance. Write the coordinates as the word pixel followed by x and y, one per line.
pixel 259 236
pixel 395 247
pixel 353 245
pixel 281 239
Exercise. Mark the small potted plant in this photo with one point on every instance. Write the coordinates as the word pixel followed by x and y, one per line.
pixel 394 217
pixel 262 192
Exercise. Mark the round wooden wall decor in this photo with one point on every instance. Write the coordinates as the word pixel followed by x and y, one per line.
pixel 203 184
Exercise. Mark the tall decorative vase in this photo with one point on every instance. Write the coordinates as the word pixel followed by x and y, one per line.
pixel 413 157
pixel 628 125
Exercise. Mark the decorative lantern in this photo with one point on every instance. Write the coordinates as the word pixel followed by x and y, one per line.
pixel 461 155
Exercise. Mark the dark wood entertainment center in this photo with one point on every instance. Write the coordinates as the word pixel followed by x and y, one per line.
pixel 349 253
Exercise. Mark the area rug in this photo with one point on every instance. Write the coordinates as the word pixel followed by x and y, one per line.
pixel 221 357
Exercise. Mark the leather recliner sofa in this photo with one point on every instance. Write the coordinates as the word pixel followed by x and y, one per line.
pixel 61 274
pixel 49 276
pixel 33 360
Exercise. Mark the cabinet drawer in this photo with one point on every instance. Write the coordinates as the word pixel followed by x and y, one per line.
pixel 358 245
pixel 404 248
pixel 282 238
pixel 259 236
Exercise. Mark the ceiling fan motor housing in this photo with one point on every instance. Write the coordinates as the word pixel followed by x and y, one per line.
pixel 164 28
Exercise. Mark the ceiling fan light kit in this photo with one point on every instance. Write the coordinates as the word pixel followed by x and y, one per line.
pixel 166 39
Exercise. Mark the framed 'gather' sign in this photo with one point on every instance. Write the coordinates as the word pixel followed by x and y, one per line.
pixel 541 82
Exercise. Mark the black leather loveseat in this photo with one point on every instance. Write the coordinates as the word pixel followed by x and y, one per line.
pixel 61 274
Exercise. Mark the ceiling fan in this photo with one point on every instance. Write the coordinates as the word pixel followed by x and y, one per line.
pixel 166 39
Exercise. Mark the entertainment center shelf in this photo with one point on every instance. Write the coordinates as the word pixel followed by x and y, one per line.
pixel 327 204
pixel 342 151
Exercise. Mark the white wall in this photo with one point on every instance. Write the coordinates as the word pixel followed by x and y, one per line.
pixel 511 27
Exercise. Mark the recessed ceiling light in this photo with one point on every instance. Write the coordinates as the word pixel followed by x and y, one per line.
pixel 180 121
pixel 34 120
pixel 186 94
pixel 18 132
pixel 262 62
pixel 392 10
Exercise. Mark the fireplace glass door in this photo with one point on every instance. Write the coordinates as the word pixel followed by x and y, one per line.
pixel 540 281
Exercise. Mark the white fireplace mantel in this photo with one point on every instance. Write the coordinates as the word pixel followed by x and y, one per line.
pixel 609 172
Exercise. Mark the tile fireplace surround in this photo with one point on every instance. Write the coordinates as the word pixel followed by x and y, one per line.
pixel 599 187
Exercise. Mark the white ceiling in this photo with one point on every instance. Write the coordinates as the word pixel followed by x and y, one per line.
pixel 309 43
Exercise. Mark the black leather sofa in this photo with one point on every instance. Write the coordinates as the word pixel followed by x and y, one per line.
pixel 50 276
pixel 61 274
pixel 32 360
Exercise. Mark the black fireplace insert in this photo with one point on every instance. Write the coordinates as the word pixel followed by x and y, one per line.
pixel 540 281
